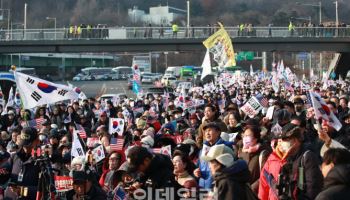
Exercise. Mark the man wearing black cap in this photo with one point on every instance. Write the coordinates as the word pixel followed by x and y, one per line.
pixel 24 173
pixel 291 170
pixel 85 187
pixel 156 170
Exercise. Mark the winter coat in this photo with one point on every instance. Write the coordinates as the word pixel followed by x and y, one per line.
pixel 336 184
pixel 232 182
pixel 26 164
pixel 313 179
pixel 206 179
pixel 252 160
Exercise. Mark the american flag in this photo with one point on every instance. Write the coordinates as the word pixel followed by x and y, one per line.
pixel 262 100
pixel 117 144
pixel 119 193
pixel 289 86
pixel 82 132
pixel 35 123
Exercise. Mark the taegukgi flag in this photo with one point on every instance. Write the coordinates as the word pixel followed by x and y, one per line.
pixel 116 125
pixel 323 112
pixel 36 92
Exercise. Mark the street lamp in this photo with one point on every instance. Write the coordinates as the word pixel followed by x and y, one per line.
pixel 52 18
pixel 319 5
pixel 336 14
pixel 8 18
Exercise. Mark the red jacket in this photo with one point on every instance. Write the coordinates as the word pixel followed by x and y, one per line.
pixel 272 166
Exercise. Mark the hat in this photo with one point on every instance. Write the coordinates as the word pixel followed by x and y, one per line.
pixel 212 125
pixel 54 126
pixel 28 135
pixel 221 153
pixel 54 134
pixel 290 130
pixel 10 112
pixel 148 140
pixel 80 176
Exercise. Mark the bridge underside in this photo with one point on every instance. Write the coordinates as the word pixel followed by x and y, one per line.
pixel 148 45
pixel 343 65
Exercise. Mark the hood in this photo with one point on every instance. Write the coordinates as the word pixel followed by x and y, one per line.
pixel 238 172
pixel 339 175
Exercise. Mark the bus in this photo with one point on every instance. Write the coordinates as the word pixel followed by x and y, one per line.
pixel 121 72
pixel 28 71
pixel 187 73
pixel 99 73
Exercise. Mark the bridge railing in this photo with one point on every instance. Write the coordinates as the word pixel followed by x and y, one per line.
pixel 168 33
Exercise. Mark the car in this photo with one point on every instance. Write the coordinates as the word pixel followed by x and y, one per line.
pixel 168 81
pixel 106 97
pixel 101 77
pixel 159 91
pixel 147 79
pixel 78 77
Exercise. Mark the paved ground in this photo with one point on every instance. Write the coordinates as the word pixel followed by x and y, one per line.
pixel 95 88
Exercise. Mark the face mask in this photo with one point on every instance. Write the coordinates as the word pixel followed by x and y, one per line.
pixel 298 108
pixel 247 141
pixel 285 146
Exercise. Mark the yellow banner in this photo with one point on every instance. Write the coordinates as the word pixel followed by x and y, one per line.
pixel 220 45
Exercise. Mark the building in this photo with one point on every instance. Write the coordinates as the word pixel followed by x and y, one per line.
pixel 157 15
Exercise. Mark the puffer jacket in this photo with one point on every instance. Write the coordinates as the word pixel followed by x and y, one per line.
pixel 336 184
pixel 313 179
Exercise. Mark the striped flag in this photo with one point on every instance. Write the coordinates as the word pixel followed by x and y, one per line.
pixel 288 86
pixel 119 193
pixel 81 131
pixel 262 100
pixel 35 123
pixel 116 144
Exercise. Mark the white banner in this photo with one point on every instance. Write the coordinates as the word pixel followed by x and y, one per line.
pixel 36 92
pixel 252 107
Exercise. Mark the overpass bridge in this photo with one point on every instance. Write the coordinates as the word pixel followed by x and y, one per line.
pixel 146 39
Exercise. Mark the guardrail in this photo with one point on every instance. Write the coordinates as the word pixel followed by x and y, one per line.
pixel 167 33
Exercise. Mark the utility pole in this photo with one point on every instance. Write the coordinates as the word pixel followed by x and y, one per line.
pixel 25 20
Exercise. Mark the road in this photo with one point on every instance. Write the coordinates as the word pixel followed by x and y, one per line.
pixel 96 88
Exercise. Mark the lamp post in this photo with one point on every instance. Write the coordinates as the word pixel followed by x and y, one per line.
pixel 8 18
pixel 319 5
pixel 53 18
pixel 336 14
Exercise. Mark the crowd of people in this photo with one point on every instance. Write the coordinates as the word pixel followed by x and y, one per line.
pixel 173 148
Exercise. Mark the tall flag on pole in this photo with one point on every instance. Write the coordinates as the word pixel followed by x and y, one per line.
pixel 322 111
pixel 10 101
pixel 36 92
pixel 206 65
pixel 220 45
pixel 77 148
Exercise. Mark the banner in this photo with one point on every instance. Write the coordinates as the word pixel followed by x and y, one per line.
pixel 322 111
pixel 36 92
pixel 252 107
pixel 63 183
pixel 220 45
pixel 116 125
